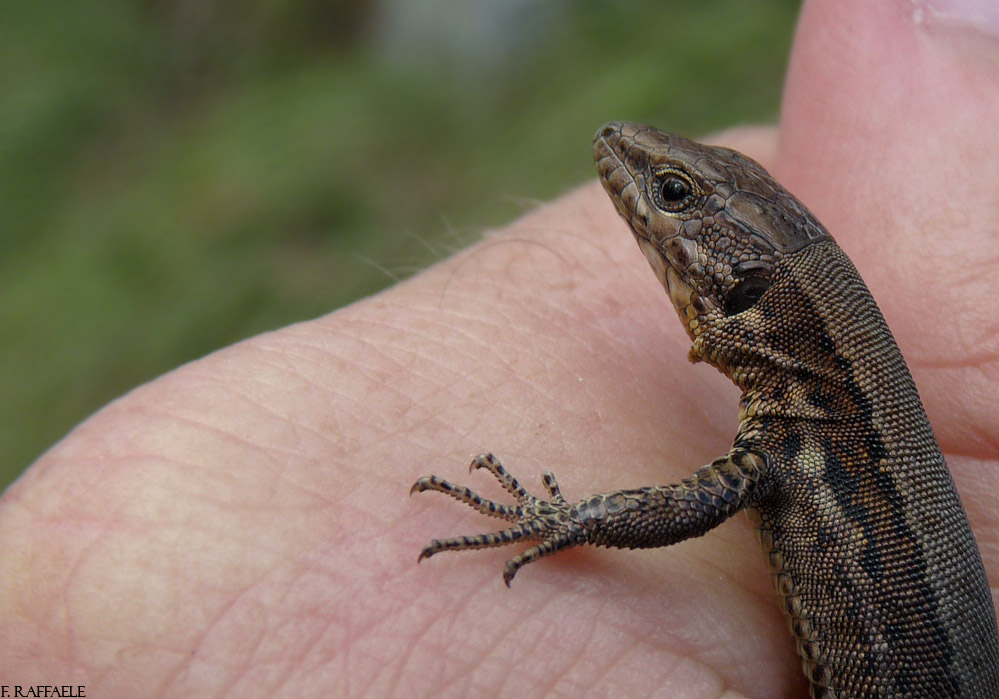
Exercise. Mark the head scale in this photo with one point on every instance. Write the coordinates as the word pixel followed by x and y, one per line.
pixel 712 223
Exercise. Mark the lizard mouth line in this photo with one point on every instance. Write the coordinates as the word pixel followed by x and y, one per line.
pixel 618 179
pixel 680 293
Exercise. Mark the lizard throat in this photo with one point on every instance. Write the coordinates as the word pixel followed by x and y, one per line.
pixel 680 293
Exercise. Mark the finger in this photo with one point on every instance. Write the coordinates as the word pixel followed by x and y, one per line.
pixel 888 134
pixel 888 108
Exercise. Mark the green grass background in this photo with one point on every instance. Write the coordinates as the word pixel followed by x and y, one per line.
pixel 176 175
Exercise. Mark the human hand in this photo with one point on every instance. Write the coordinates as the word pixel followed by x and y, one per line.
pixel 242 524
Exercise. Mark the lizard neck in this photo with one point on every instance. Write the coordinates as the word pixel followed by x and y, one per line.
pixel 797 353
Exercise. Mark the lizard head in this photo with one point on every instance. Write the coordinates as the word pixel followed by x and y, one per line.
pixel 713 223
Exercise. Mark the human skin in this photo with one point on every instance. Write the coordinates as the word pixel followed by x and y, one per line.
pixel 242 525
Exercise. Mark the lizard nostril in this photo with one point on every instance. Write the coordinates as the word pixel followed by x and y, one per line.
pixel 608 130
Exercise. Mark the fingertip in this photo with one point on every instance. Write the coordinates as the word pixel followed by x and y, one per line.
pixel 876 91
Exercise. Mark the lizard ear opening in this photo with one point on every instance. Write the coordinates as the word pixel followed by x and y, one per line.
pixel 745 294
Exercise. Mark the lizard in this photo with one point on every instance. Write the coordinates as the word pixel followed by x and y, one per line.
pixel 870 550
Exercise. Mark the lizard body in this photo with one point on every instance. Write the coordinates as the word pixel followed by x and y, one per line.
pixel 835 462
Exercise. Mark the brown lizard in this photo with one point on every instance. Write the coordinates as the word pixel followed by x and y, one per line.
pixel 835 461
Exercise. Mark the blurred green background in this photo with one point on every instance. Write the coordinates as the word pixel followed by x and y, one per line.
pixel 176 175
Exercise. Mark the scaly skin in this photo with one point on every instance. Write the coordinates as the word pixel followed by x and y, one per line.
pixel 871 553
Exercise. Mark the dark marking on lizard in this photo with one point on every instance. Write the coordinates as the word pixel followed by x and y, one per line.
pixel 872 557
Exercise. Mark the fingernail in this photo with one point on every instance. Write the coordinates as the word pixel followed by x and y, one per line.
pixel 981 15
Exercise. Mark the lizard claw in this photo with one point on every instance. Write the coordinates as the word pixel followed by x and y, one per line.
pixel 554 523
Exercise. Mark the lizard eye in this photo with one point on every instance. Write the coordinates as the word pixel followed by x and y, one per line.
pixel 675 190
pixel 745 294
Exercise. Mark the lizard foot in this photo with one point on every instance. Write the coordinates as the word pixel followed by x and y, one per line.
pixel 554 523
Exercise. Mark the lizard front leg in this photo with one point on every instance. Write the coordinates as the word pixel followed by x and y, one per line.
pixel 638 518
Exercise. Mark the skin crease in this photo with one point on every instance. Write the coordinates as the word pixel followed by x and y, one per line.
pixel 242 524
